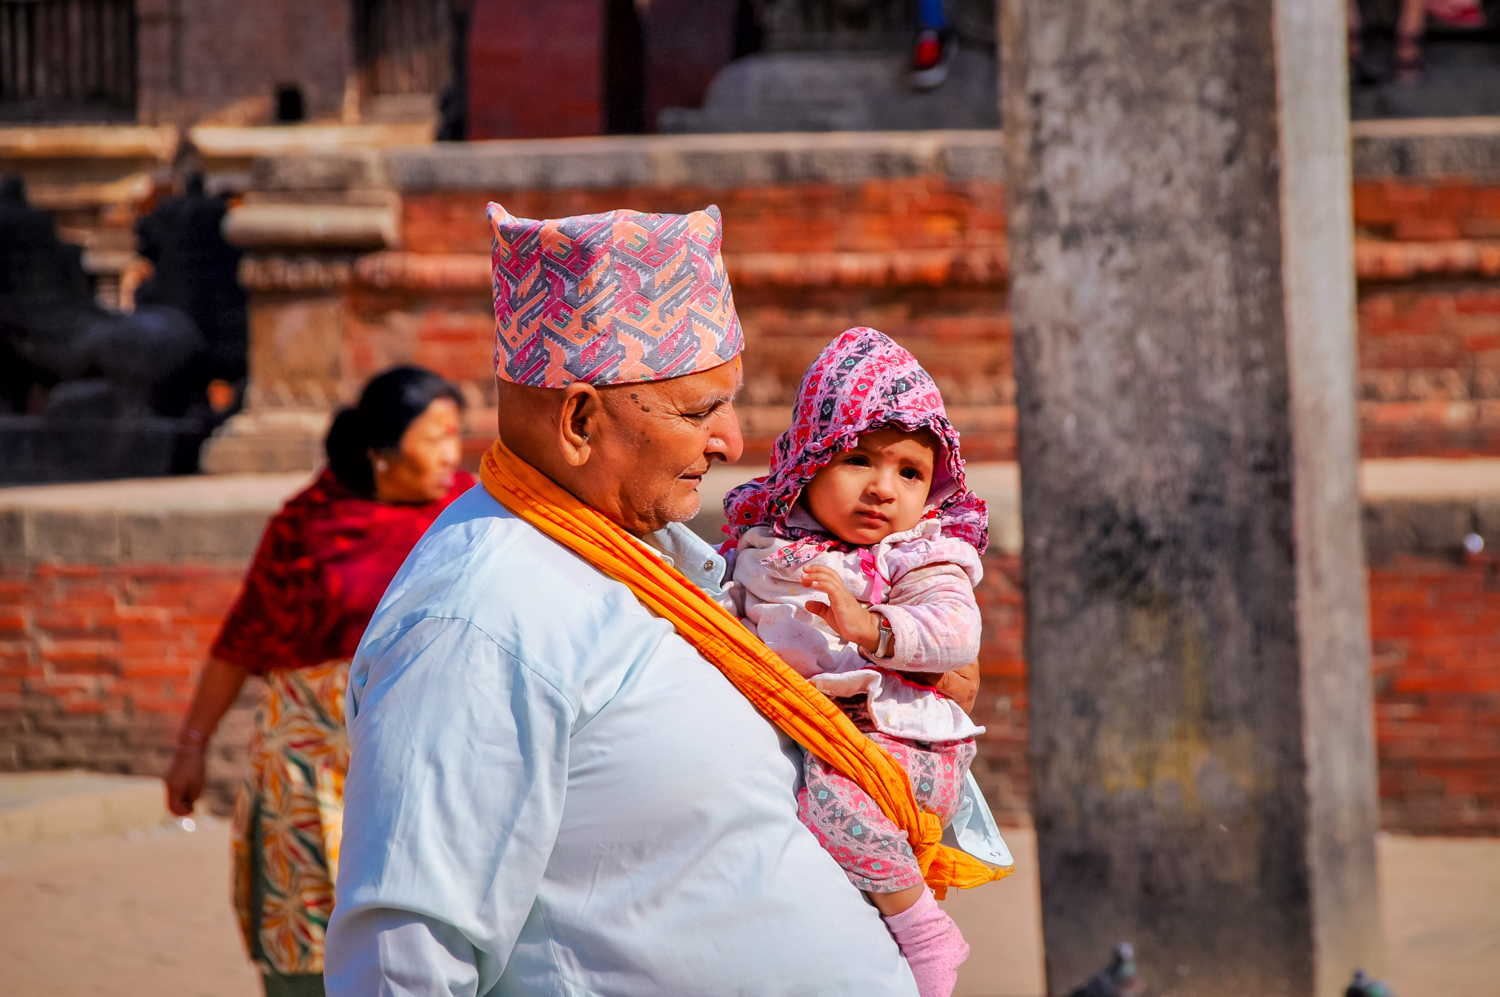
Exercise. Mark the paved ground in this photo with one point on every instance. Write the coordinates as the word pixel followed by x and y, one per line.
pixel 148 913
pixel 141 913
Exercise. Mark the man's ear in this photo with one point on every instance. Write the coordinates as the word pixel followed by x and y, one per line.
pixel 578 422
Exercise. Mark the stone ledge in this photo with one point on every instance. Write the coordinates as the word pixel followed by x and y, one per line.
pixel 1412 149
pixel 45 806
pixel 698 161
pixel 230 142
pixel 88 142
pixel 316 226
pixel 150 521
pixel 265 442
pixel 1421 507
pixel 1427 148
pixel 78 536
pixel 986 266
pixel 1375 259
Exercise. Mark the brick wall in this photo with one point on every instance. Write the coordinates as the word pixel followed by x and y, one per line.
pixel 1436 630
pixel 919 251
pixel 920 258
pixel 1429 316
pixel 98 661
pixel 1001 767
pixel 1435 627
pixel 106 616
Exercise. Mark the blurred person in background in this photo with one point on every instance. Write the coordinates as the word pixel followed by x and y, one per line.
pixel 936 47
pixel 323 564
pixel 1411 26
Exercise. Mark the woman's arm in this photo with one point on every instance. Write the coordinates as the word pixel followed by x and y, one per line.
pixel 218 687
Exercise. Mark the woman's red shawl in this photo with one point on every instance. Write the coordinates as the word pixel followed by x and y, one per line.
pixel 322 566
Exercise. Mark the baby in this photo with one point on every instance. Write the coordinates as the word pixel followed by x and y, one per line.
pixel 856 562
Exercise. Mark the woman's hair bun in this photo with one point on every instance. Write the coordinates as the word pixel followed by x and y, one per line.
pixel 348 453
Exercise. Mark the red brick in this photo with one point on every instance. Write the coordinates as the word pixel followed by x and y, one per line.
pixel 78 595
pixel 139 668
pixel 159 704
pixel 52 570
pixel 79 658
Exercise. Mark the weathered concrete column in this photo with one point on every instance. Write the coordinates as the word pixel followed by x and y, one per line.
pixel 1182 300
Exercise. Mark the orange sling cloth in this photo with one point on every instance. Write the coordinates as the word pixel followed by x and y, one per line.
pixel 786 698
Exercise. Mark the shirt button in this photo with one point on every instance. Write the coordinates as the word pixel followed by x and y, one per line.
pixel 708 565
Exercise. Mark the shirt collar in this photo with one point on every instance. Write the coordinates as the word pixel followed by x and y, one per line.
pixel 684 550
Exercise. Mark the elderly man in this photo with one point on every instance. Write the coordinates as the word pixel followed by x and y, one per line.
pixel 552 791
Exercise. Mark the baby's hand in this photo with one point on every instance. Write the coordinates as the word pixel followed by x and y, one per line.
pixel 844 613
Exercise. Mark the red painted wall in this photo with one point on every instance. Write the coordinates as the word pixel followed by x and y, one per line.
pixel 534 68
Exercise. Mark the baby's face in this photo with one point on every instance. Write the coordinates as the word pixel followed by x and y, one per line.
pixel 880 487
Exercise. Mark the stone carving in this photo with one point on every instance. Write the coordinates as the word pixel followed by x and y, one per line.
pixel 96 394
pixel 295 273
pixel 424 272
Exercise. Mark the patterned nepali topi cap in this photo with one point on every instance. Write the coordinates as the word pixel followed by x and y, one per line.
pixel 614 298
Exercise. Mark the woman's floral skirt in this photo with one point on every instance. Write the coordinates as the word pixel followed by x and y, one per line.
pixel 288 818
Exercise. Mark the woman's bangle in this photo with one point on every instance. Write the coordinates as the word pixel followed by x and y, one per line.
pixel 191 739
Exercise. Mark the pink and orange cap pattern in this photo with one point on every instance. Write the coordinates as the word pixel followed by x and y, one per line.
pixel 614 298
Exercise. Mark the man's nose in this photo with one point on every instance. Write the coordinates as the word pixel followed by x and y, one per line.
pixel 724 439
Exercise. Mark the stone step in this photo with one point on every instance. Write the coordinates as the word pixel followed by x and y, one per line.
pixel 40 807
pixel 213 517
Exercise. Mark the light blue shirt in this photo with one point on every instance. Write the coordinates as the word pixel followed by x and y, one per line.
pixel 552 793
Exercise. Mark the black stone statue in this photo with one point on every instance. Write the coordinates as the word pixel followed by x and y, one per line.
pixel 92 394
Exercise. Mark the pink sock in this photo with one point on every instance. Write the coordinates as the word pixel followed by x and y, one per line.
pixel 933 945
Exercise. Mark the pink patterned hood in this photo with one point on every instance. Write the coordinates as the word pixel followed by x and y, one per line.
pixel 861 382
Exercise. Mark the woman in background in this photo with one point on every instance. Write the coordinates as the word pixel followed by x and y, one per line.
pixel 322 567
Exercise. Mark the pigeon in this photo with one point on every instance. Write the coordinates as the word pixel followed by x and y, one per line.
pixel 1363 986
pixel 1119 978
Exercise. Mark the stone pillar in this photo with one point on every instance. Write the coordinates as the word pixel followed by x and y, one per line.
pixel 1182 304
pixel 302 228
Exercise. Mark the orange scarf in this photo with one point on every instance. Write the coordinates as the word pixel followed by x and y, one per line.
pixel 786 698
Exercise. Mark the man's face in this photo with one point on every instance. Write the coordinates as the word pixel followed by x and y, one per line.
pixel 656 442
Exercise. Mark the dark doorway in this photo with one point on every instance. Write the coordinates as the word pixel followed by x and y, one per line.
pixel 289 105
pixel 624 69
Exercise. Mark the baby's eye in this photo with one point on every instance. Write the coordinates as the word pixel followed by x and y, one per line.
pixel 911 474
pixel 858 460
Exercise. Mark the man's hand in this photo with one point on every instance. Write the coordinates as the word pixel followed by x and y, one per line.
pixel 960 685
pixel 845 614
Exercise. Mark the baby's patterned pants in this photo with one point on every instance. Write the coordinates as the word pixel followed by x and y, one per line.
pixel 850 826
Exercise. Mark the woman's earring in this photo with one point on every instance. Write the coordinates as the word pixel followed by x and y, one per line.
pixel 381 467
